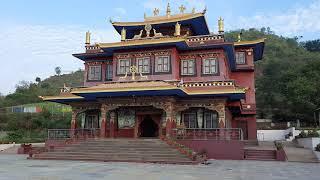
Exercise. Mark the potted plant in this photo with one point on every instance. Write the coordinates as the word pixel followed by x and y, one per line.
pixel 308 140
pixel 317 151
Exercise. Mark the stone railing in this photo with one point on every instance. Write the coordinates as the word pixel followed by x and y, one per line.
pixel 63 134
pixel 208 134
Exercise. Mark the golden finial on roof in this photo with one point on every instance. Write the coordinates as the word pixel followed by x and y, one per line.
pixel 168 10
pixel 110 20
pixel 145 15
pixel 182 8
pixel 193 10
pixel 177 29
pixel 156 11
pixel 88 38
pixel 123 34
pixel 221 25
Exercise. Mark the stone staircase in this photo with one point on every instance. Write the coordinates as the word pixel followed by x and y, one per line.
pixel 118 150
pixel 259 154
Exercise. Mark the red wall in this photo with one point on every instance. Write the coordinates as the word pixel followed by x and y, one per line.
pixel 217 149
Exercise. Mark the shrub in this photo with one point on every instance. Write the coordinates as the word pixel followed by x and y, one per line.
pixel 15 136
pixel 313 133
pixel 278 145
pixel 302 135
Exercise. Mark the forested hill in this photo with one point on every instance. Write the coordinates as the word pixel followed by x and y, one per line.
pixel 287 79
pixel 29 92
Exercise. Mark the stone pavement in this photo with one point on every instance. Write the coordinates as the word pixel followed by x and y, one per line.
pixel 18 167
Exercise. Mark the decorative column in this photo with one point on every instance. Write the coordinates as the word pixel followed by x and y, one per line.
pixel 74 119
pixel 112 124
pixel 103 120
pixel 170 119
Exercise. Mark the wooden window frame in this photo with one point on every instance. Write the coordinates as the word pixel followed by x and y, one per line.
pixel 210 66
pixel 126 68
pixel 214 122
pixel 193 66
pixel 244 58
pixel 162 64
pixel 143 65
pixel 95 78
pixel 188 115
pixel 109 71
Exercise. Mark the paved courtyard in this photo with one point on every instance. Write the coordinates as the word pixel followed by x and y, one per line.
pixel 18 167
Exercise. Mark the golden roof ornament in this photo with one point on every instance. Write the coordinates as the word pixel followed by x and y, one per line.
pixel 204 10
pixel 88 34
pixel 123 34
pixel 177 29
pixel 156 12
pixel 221 25
pixel 168 10
pixel 239 36
pixel 182 8
pixel 193 10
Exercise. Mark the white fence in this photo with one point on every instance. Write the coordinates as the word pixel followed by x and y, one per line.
pixel 272 135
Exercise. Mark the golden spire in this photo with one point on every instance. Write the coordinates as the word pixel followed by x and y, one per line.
pixel 168 10
pixel 88 34
pixel 156 11
pixel 123 34
pixel 182 8
pixel 177 29
pixel 193 10
pixel 221 25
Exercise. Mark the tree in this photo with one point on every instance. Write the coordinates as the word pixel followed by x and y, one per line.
pixel 38 79
pixel 312 45
pixel 58 70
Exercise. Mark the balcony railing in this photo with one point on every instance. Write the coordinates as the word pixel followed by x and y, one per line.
pixel 206 134
pixel 62 134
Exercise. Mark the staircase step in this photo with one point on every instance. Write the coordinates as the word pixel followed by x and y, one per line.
pixel 123 150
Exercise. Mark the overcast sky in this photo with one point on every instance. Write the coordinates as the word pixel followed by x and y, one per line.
pixel 38 35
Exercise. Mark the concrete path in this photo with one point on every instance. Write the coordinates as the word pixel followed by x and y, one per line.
pixel 18 167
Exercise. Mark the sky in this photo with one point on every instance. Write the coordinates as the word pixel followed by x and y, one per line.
pixel 38 35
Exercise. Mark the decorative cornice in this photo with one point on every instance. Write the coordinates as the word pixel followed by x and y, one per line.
pixel 262 40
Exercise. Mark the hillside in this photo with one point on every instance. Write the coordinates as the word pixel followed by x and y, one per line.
pixel 28 92
pixel 287 79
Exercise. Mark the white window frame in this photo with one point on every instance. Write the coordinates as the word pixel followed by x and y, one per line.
pixel 162 64
pixel 125 66
pixel 186 118
pixel 190 67
pixel 213 117
pixel 94 72
pixel 143 64
pixel 241 55
pixel 210 66
pixel 109 72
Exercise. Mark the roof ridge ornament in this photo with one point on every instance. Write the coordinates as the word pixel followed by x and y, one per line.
pixel 156 12
pixel 168 10
pixel 182 8
pixel 205 9
pixel 221 25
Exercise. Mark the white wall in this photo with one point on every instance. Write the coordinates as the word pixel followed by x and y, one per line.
pixel 273 135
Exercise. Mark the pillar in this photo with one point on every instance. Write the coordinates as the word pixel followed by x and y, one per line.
pixel 103 121
pixel 74 120
pixel 170 120
pixel 112 124
pixel 252 128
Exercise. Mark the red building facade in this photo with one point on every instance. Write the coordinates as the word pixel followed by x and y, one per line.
pixel 166 74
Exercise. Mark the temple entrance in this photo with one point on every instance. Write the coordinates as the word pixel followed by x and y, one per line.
pixel 148 127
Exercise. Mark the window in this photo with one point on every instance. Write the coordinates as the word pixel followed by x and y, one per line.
pixel 109 72
pixel 190 119
pixel 94 73
pixel 124 66
pixel 210 66
pixel 143 65
pixel 210 119
pixel 240 57
pixel 162 64
pixel 187 67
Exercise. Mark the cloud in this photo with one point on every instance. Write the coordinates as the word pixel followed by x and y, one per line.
pixel 28 51
pixel 304 18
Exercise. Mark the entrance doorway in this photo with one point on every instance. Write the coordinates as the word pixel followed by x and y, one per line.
pixel 148 127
